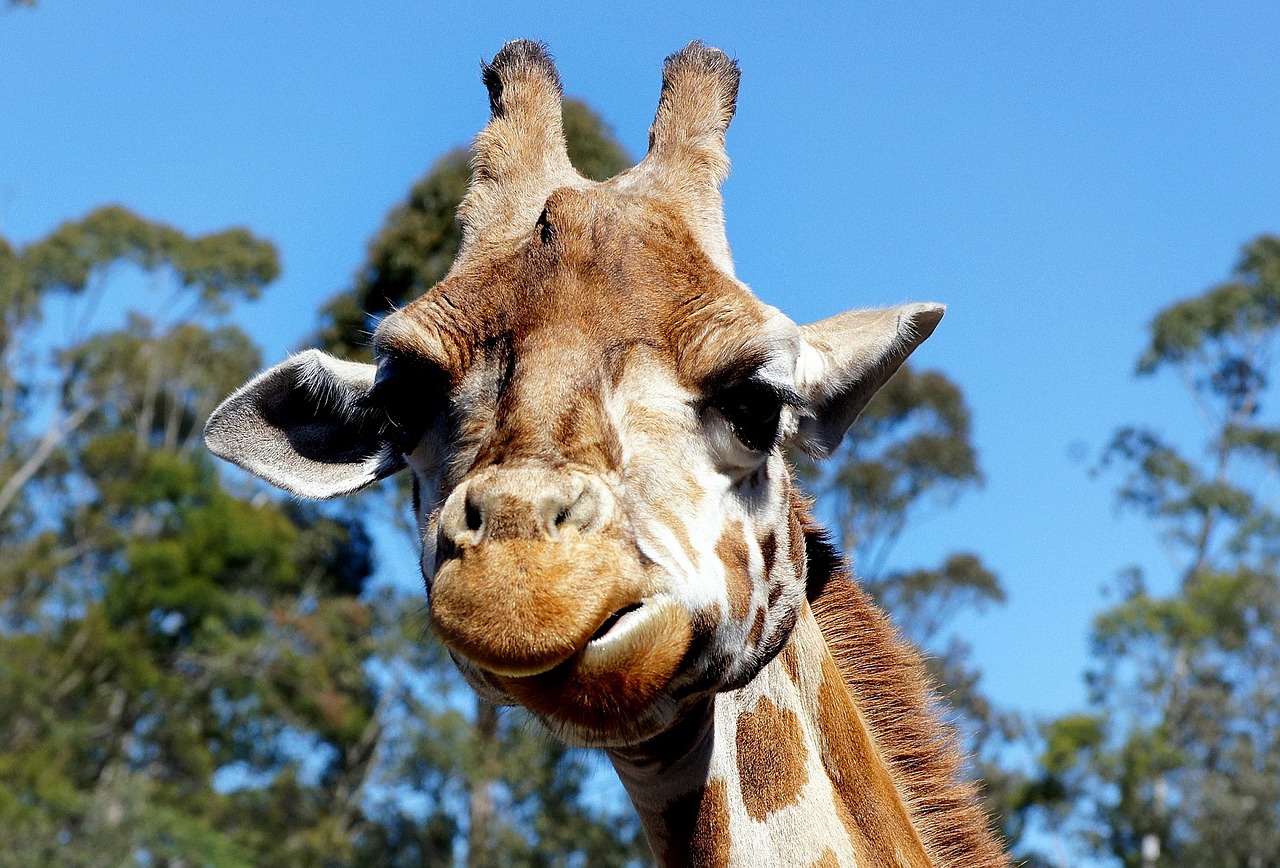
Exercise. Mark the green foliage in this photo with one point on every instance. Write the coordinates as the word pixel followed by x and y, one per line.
pixel 1219 328
pixel 1184 742
pixel 205 274
pixel 592 148
pixel 157 632
pixel 909 447
pixel 217 266
pixel 926 600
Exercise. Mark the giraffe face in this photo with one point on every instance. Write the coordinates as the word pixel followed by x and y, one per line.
pixel 593 410
pixel 594 424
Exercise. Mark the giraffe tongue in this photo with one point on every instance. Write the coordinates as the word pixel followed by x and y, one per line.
pixel 613 620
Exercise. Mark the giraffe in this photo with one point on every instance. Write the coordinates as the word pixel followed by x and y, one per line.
pixel 593 409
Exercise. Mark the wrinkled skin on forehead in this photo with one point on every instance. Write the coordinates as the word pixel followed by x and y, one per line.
pixel 613 270
pixel 594 348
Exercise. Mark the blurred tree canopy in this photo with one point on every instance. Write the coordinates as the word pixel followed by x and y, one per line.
pixel 1181 749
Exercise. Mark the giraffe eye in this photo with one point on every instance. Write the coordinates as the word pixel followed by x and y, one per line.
pixel 753 409
pixel 409 401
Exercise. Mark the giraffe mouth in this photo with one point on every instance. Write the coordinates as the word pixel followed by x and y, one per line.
pixel 625 634
pixel 617 677
pixel 613 621
pixel 520 608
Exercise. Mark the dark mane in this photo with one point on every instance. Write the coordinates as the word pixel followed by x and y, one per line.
pixel 886 678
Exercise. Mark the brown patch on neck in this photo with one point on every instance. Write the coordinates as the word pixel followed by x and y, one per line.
pixel 828 860
pixel 771 757
pixel 790 662
pixel 698 828
pixel 768 551
pixel 882 681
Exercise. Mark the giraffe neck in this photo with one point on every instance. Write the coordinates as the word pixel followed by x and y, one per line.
pixel 783 771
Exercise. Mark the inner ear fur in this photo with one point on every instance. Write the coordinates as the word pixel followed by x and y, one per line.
pixel 844 360
pixel 305 426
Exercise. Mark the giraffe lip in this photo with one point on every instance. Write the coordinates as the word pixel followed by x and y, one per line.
pixel 613 621
pixel 617 678
pixel 624 633
pixel 610 640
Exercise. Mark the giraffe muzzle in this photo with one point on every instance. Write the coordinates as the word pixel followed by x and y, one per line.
pixel 521 607
pixel 530 569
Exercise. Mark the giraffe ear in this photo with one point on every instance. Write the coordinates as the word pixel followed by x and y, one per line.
pixel 844 360
pixel 306 426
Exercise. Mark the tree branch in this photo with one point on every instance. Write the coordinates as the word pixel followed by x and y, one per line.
pixel 44 449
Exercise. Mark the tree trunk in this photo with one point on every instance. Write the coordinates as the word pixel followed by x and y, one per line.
pixel 481 801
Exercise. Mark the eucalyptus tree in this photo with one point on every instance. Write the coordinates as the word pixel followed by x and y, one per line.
pixel 1179 755
pixel 174 657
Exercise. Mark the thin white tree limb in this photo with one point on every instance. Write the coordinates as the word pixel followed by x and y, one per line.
pixel 52 438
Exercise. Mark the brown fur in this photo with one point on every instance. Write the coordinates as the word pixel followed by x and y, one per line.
pixel 771 757
pixel 731 548
pixel 520 157
pixel 790 662
pixel 536 300
pixel 768 551
pixel 869 803
pixel 673 522
pixel 886 680
pixel 687 161
pixel 757 628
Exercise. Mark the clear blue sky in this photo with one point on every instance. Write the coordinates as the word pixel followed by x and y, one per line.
pixel 1055 173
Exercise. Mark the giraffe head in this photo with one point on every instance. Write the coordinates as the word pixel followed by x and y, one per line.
pixel 593 409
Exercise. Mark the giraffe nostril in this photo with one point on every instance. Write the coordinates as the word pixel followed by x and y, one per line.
pixel 572 514
pixel 473 517
pixel 523 502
